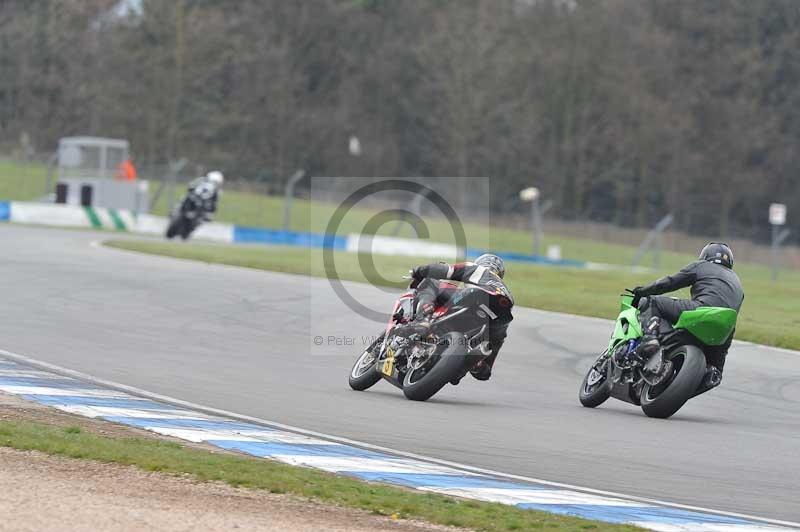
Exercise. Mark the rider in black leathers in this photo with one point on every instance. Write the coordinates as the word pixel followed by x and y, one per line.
pixel 713 284
pixel 203 193
pixel 487 272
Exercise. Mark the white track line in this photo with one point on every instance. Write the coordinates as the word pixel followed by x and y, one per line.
pixel 232 415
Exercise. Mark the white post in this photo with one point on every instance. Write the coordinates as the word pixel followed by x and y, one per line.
pixel 777 218
pixel 532 195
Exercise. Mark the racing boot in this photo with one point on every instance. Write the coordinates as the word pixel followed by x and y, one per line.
pixel 650 343
pixel 457 379
pixel 482 371
pixel 712 379
pixel 421 324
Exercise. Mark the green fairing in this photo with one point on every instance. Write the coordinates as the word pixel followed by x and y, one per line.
pixel 710 325
pixel 628 315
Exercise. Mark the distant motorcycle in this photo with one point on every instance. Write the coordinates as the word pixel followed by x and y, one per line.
pixel 188 215
pixel 662 383
pixel 457 342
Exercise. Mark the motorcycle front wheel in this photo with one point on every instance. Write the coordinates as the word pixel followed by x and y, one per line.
pixel 688 369
pixel 364 373
pixel 422 383
pixel 188 228
pixel 596 385
pixel 175 227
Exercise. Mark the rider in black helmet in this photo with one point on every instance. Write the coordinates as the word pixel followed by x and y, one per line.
pixel 713 284
pixel 487 271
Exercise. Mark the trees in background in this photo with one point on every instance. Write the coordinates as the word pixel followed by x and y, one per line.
pixel 620 111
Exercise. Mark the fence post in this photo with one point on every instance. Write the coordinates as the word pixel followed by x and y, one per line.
pixel 653 240
pixel 289 197
pixel 778 237
pixel 51 165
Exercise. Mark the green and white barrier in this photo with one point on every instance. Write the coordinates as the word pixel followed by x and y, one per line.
pixel 69 216
pixel 103 218
pixel 120 220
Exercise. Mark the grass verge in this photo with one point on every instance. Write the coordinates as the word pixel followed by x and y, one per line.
pixel 169 457
pixel 770 316
pixel 22 181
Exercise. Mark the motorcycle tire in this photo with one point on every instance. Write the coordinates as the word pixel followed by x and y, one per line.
pixel 689 367
pixel 450 363
pixel 175 227
pixel 596 394
pixel 361 380
pixel 187 230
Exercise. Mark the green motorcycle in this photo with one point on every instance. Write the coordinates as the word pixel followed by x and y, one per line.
pixel 662 383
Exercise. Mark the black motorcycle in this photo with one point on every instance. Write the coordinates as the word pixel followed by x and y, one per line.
pixel 421 366
pixel 187 216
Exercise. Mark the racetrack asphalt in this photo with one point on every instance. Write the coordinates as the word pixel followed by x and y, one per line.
pixel 243 341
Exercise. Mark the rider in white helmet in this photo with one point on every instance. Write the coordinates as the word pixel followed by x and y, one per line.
pixel 207 189
pixel 216 178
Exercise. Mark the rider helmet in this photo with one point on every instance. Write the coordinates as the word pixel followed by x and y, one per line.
pixel 493 263
pixel 718 253
pixel 215 177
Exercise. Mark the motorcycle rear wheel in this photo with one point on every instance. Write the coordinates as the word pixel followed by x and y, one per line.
pixel 363 375
pixel 688 369
pixel 593 395
pixel 449 363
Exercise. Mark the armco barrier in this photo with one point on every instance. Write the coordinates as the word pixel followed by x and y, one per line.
pixel 390 245
pixel 258 235
pixel 386 245
pixel 534 259
pixel 102 218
